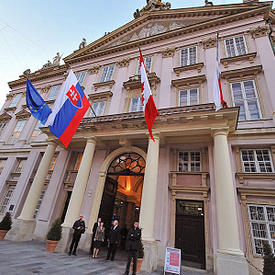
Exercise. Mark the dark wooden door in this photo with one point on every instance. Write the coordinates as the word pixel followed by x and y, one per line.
pixel 189 235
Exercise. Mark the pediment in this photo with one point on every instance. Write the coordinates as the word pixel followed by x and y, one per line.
pixel 156 23
pixel 5 117
pixel 23 114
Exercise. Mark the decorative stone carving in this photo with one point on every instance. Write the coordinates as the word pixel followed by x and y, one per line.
pixel 169 52
pixel 5 117
pixel 152 5
pixel 23 114
pixel 123 62
pixel 45 89
pixel 56 59
pixel 47 65
pixel 27 72
pixel 82 44
pixel 208 4
pixel 259 31
pixel 94 69
pixel 209 43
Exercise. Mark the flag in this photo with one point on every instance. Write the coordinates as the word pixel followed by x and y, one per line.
pixel 149 107
pixel 69 109
pixel 217 87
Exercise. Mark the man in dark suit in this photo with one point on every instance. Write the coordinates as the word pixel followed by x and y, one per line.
pixel 113 241
pixel 132 246
pixel 79 228
pixel 96 225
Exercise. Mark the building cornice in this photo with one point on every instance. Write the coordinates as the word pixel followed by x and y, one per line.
pixel 187 81
pixel 5 117
pixel 110 84
pixel 197 66
pixel 102 95
pixel 239 73
pixel 250 57
pixel 243 176
pixel 256 191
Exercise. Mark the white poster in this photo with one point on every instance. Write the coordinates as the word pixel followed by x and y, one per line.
pixel 172 260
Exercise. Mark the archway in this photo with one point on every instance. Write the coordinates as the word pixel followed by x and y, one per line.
pixel 122 191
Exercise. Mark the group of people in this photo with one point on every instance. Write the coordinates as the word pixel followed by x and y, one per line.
pixel 133 241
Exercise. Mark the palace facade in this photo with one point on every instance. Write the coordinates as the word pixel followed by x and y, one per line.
pixel 207 183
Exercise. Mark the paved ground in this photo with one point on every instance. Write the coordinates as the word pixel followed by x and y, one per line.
pixel 26 258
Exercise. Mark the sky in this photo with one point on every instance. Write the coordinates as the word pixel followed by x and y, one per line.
pixel 33 31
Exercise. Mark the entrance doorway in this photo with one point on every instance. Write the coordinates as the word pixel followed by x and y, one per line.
pixel 189 235
pixel 122 192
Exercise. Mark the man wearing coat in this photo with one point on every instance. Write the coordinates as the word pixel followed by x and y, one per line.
pixel 79 228
pixel 132 246
pixel 113 241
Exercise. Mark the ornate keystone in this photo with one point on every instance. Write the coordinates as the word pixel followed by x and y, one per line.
pixel 209 43
pixel 123 62
pixel 169 52
pixel 259 31
pixel 95 69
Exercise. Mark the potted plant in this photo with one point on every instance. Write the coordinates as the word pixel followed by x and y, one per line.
pixel 54 236
pixel 139 258
pixel 5 225
pixel 269 260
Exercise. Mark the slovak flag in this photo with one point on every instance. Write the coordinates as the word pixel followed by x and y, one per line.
pixel 149 107
pixel 68 111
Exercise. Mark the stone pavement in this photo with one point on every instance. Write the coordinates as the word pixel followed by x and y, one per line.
pixel 26 258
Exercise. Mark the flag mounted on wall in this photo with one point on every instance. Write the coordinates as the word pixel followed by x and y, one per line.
pixel 36 104
pixel 68 111
pixel 149 107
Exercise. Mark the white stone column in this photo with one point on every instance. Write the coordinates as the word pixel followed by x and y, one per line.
pixel 230 259
pixel 149 191
pixel 80 184
pixel 38 183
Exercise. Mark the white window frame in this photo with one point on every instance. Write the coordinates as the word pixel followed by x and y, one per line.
pixel 235 46
pixel 245 99
pixel 148 66
pixel 267 224
pixel 81 77
pixel 256 162
pixel 54 92
pixel 6 199
pixel 188 61
pixel 107 73
pixel 16 98
pixel 189 162
pixel 97 105
pixel 188 96
pixel 139 104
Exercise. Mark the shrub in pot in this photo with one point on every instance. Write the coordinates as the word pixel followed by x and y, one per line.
pixel 54 235
pixel 5 225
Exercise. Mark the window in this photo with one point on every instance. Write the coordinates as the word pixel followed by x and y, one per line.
pixel 189 161
pixel 19 166
pixel 188 97
pixel 235 46
pixel 53 161
pixel 148 60
pixel 36 130
pixel 2 165
pixel 39 203
pixel 99 108
pixel 245 96
pixel 53 92
pixel 6 200
pixel 188 56
pixel 107 73
pixel 2 126
pixel 262 226
pixel 136 104
pixel 14 100
pixel 78 161
pixel 80 77
pixel 17 130
pixel 256 161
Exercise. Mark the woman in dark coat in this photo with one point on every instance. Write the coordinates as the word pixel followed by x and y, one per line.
pixel 99 239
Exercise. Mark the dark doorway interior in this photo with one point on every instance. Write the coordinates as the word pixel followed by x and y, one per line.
pixel 69 193
pixel 190 232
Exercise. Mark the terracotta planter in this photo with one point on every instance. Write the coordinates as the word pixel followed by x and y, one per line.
pixel 139 263
pixel 3 234
pixel 51 245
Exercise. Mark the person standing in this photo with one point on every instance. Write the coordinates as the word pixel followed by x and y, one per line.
pixel 132 246
pixel 96 225
pixel 99 239
pixel 113 240
pixel 79 228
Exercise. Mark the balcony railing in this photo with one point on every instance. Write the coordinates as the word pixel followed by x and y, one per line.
pixel 188 179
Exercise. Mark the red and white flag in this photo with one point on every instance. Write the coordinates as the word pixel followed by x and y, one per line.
pixel 149 107
pixel 217 87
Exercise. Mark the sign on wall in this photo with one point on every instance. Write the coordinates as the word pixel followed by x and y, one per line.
pixel 172 260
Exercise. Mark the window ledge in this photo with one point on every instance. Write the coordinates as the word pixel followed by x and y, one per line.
pixel 245 191
pixel 8 109
pixel 102 95
pixel 188 81
pixel 239 73
pixel 250 57
pixel 242 176
pixel 134 82
pixel 5 117
pixel 103 84
pixel 197 66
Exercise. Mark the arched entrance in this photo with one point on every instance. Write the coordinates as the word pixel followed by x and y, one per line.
pixel 122 191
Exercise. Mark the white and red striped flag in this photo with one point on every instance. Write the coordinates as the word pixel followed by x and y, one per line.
pixel 149 107
pixel 217 87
